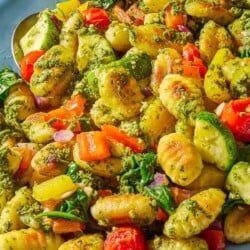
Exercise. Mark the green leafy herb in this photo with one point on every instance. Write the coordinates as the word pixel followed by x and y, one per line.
pixel 163 197
pixel 73 172
pixel 244 153
pixel 7 79
pixel 77 205
pixel 139 171
pixel 245 52
pixel 73 208
pixel 229 204
pixel 59 214
pixel 106 4
pixel 85 123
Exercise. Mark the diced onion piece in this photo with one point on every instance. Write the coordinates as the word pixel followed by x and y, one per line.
pixel 63 135
pixel 219 109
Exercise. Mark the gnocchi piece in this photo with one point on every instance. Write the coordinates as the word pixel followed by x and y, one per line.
pixel 195 214
pixel 181 97
pixel 156 121
pixel 68 35
pixel 6 189
pixel 154 17
pixel 92 49
pixel 162 66
pixel 210 10
pixel 86 242
pixel 36 129
pixel 156 5
pixel 53 72
pixel 212 38
pixel 179 159
pixel 151 38
pixel 31 239
pixel 237 226
pixel 10 159
pixel 215 84
pixel 10 219
pixel 102 114
pixel 231 66
pixel 124 208
pixel 210 176
pixel 183 128
pixel 119 90
pixel 163 243
pixel 18 105
pixel 239 26
pixel 240 84
pixel 117 35
pixel 52 159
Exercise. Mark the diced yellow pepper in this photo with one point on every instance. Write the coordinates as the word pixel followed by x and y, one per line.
pixel 83 6
pixel 68 6
pixel 54 189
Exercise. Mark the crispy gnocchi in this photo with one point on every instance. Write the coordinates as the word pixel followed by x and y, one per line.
pixel 130 130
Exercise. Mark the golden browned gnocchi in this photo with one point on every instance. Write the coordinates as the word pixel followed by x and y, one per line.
pixel 100 146
pixel 120 92
pixel 192 243
pixel 179 159
pixel 29 239
pixel 52 79
pixel 163 65
pixel 52 159
pixel 36 129
pixel 10 218
pixel 68 35
pixel 195 214
pixel 214 10
pixel 181 97
pixel 212 31
pixel 86 241
pixel 124 208
pixel 237 224
pixel 156 121
pixel 118 36
pixel 18 105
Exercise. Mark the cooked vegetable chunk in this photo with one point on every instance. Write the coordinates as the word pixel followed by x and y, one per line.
pixel 214 141
pixel 43 35
pixel 237 181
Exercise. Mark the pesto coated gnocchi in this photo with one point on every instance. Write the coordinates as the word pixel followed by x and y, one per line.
pixel 129 129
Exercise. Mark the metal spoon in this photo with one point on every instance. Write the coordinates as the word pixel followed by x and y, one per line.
pixel 18 33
